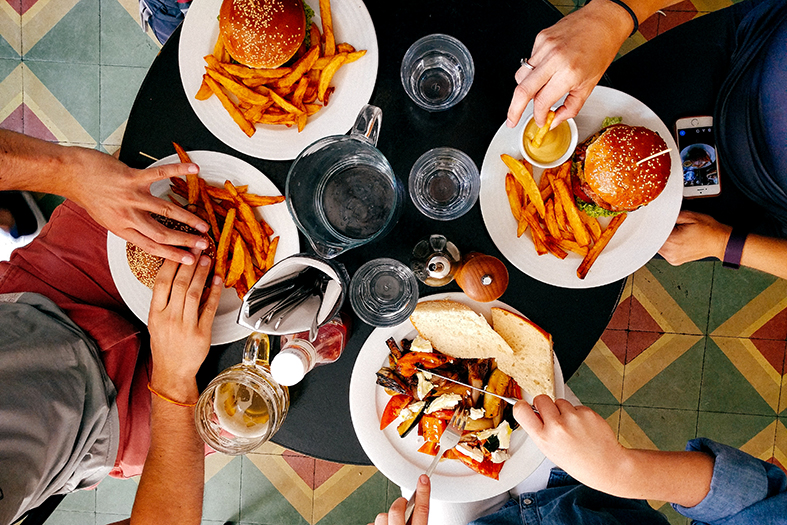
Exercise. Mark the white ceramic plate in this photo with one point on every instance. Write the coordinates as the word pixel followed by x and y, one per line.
pixel 214 168
pixel 354 82
pixel 398 459
pixel 638 238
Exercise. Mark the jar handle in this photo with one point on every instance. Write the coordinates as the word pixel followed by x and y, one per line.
pixel 367 124
pixel 257 349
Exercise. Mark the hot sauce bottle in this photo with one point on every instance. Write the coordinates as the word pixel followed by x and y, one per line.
pixel 298 355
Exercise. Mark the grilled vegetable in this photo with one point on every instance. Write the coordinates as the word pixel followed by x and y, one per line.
pixel 392 382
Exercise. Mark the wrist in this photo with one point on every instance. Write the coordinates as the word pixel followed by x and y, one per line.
pixel 616 20
pixel 182 390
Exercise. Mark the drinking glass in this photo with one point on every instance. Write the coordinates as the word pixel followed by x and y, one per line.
pixel 444 183
pixel 383 292
pixel 342 192
pixel 243 406
pixel 437 72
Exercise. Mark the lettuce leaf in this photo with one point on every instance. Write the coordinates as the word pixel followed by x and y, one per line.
pixel 591 210
pixel 611 121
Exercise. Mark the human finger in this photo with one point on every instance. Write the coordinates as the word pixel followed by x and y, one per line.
pixel 524 92
pixel 547 408
pixel 571 106
pixel 165 171
pixel 421 509
pixel 162 286
pixel 161 234
pixel 181 285
pixel 396 512
pixel 565 406
pixel 527 417
pixel 197 285
pixel 211 306
pixel 169 253
pixel 162 207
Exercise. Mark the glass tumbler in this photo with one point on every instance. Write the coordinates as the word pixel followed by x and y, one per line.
pixel 383 292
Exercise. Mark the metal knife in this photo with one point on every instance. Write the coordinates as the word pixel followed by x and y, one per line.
pixel 511 400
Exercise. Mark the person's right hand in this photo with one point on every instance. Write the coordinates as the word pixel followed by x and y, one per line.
pixel 569 57
pixel 395 515
pixel 575 438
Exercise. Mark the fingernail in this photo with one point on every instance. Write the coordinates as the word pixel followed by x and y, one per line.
pixel 187 259
pixel 193 168
pixel 203 228
pixel 202 244
pixel 216 280
pixel 423 479
pixel 204 260
pixel 510 123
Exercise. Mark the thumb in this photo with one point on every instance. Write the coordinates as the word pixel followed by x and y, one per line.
pixel 527 417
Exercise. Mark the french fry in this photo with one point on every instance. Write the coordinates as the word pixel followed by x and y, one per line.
pixel 595 251
pixel 327 27
pixel 299 69
pixel 572 246
pixel 564 171
pixel 327 74
pixel 245 72
pixel 208 204
pixel 314 36
pixel 513 199
pixel 551 221
pixel 223 249
pixel 243 92
pixel 249 276
pixel 525 178
pixel 238 260
pixel 542 131
pixel 592 224
pixel 204 92
pixel 271 255
pixel 543 182
pixel 232 109
pixel 344 47
pixel 572 213
pixel 191 178
pixel 247 215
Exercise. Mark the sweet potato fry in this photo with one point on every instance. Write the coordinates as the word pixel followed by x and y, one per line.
pixel 192 180
pixel 223 249
pixel 207 202
pixel 271 255
pixel 243 92
pixel 525 178
pixel 592 225
pixel 238 260
pixel 249 277
pixel 595 251
pixel 247 215
pixel 232 109
pixel 327 27
pixel 299 69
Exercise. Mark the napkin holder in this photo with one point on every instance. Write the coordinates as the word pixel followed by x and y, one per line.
pixel 300 318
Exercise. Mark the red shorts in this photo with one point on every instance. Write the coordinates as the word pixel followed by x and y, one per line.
pixel 67 263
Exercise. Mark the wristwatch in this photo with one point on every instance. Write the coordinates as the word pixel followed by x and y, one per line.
pixel 734 250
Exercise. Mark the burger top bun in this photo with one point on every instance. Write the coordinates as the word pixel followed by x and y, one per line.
pixel 611 169
pixel 262 33
pixel 145 266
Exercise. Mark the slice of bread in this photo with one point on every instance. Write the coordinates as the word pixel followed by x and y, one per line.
pixel 456 330
pixel 531 364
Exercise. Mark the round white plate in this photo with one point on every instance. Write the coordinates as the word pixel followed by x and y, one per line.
pixel 398 459
pixel 354 82
pixel 638 238
pixel 214 168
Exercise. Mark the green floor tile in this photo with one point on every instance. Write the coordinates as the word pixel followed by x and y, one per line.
pixel 119 86
pixel 261 503
pixel 116 496
pixel 734 430
pixel 6 66
pixel 732 290
pixel 688 284
pixel 725 389
pixel 363 505
pixel 76 87
pixel 81 500
pixel 222 493
pixel 589 389
pixel 603 410
pixel 123 43
pixel 677 386
pixel 394 492
pixel 73 39
pixel 65 517
pixel 668 429
pixel 6 49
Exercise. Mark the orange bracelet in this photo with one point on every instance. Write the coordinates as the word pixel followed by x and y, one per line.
pixel 165 398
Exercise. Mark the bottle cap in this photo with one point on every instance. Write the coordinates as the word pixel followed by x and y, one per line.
pixel 288 368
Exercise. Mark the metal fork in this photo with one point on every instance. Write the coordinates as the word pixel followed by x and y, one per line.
pixel 449 439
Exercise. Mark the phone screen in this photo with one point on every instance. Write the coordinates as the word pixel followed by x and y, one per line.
pixel 698 156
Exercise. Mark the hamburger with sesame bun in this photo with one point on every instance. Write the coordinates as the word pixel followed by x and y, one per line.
pixel 607 179
pixel 145 266
pixel 262 33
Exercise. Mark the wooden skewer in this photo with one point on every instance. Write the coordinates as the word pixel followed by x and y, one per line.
pixel 151 157
pixel 662 152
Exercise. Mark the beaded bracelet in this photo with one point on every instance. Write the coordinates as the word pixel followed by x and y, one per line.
pixel 630 12
pixel 165 398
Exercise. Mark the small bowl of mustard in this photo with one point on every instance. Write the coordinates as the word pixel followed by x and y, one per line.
pixel 556 146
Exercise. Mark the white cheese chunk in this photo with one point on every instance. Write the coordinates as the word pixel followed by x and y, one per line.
pixel 470 452
pixel 413 408
pixel 477 413
pixel 424 386
pixel 499 456
pixel 444 401
pixel 420 344
pixel 503 433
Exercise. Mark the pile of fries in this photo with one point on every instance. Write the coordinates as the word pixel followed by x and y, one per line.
pixel 548 208
pixel 244 247
pixel 285 95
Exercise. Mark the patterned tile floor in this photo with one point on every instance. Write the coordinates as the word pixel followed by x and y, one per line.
pixel 693 350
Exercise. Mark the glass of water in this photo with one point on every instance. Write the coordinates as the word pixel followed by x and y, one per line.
pixel 444 183
pixel 437 72
pixel 383 292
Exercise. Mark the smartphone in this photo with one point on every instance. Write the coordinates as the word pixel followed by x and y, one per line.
pixel 698 155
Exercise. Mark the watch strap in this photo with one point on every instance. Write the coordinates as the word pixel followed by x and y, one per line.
pixel 734 250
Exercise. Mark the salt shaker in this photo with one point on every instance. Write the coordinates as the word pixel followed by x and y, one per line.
pixel 298 355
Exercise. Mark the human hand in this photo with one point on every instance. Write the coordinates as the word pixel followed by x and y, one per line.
pixel 575 438
pixel 395 515
pixel 569 57
pixel 179 329
pixel 694 237
pixel 119 199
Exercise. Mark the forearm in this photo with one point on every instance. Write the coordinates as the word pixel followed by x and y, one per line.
pixel 676 477
pixel 617 16
pixel 171 486
pixel 767 254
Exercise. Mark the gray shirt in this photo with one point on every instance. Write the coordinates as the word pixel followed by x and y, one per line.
pixel 58 418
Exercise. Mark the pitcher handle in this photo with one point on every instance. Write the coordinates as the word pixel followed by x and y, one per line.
pixel 257 349
pixel 367 124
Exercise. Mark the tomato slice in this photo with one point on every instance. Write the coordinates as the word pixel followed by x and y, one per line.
pixel 393 408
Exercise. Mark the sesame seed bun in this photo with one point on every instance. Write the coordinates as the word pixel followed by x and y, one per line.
pixel 145 266
pixel 262 33
pixel 611 177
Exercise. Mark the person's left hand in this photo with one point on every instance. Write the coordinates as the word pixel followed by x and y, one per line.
pixel 395 515
pixel 180 330
pixel 695 236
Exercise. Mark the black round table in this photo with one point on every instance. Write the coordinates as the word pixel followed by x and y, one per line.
pixel 498 34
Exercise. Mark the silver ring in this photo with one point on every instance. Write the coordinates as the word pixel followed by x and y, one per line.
pixel 524 62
